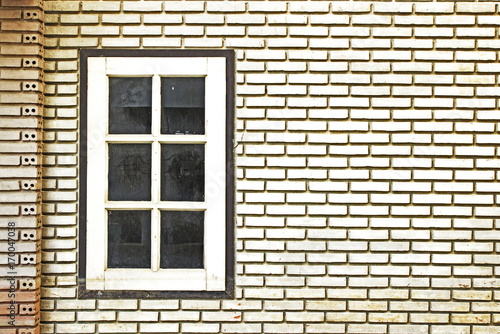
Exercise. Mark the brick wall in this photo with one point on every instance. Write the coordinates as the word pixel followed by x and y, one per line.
pixel 21 97
pixel 366 162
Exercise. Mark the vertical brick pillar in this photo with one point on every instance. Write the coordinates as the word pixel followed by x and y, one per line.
pixel 21 98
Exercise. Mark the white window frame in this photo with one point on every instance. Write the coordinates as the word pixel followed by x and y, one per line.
pixel 213 276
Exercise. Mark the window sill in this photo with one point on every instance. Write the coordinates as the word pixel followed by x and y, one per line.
pixel 84 293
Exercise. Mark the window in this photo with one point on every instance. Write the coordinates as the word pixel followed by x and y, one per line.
pixel 156 202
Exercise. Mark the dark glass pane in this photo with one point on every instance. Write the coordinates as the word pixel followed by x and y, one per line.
pixel 130 105
pixel 129 177
pixel 183 172
pixel 183 105
pixel 182 239
pixel 129 239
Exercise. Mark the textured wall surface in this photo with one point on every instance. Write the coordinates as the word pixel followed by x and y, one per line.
pixel 21 97
pixel 367 164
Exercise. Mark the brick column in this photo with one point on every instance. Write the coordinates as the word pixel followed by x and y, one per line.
pixel 21 98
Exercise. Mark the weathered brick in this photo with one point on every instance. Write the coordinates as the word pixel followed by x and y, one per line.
pixel 397 118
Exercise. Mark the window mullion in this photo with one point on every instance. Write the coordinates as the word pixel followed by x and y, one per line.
pixel 155 165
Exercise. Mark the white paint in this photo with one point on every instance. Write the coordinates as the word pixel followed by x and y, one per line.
pixel 213 276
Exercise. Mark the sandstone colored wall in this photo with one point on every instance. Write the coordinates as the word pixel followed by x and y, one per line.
pixel 21 98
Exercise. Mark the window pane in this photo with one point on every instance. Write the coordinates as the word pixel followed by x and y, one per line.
pixel 130 105
pixel 183 105
pixel 183 172
pixel 129 239
pixel 129 177
pixel 182 239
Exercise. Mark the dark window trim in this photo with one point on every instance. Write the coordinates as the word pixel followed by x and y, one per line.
pixel 230 183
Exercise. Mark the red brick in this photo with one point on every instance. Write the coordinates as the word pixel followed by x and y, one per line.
pixel 6 308
pixel 20 320
pixel 32 330
pixel 8 331
pixel 10 14
pixel 26 18
pixel 21 296
pixel 20 98
pixel 5 285
pixel 10 38
pixel 22 26
pixel 22 3
pixel 29 309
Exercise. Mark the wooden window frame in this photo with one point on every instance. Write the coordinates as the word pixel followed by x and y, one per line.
pixel 216 280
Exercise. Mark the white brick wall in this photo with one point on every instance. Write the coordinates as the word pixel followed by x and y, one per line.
pixel 366 164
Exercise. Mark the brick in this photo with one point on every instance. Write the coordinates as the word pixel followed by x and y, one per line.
pixel 144 6
pixel 447 44
pixel 370 44
pixel 267 31
pixel 346 7
pixel 374 67
pixel 180 316
pixel 392 55
pixel 100 30
pixel 76 328
pixel 475 8
pixel 142 31
pixel 222 6
pixel 310 31
pixel 62 6
pixel 394 32
pixel 283 328
pixel 119 43
pixel 263 293
pixel 414 20
pixel 378 20
pixel 305 270
pixel 203 43
pixel 429 318
pixel 276 7
pixel 283 305
pixel 181 6
pixel 21 26
pixel 413 44
pixel 263 316
pixel 207 19
pixel 142 316
pixel 159 327
pixel 121 18
pixel 117 328
pixel 241 328
pixel 287 43
pixel 200 304
pixel 287 19
pixel 97 316
pixel 10 14
pixel 101 7
pixel 241 305
pixel 25 50
pixel 392 8
pixel 226 31
pixel 80 18
pixel 246 19
pixel 11 38
pixel 117 304
pixel 438 8
pixel 337 317
pixel 325 328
